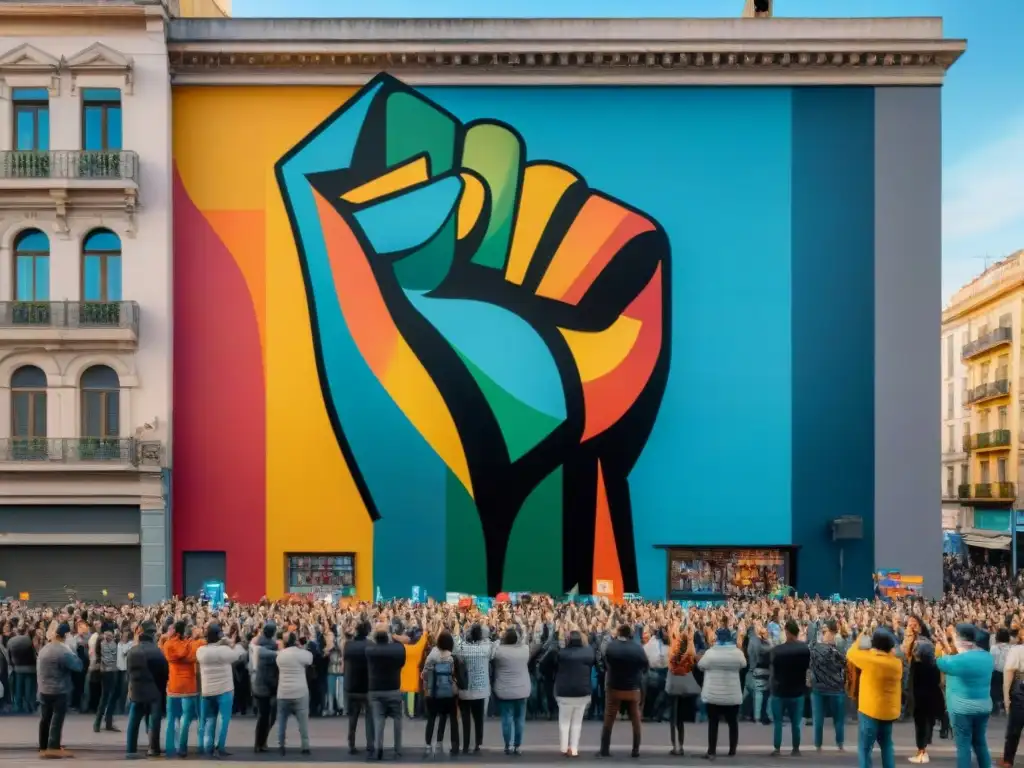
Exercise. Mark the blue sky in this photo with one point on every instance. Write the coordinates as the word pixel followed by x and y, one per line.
pixel 983 100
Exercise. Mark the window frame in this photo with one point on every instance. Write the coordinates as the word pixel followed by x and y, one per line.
pixel 105 105
pixel 33 106
pixel 18 253
pixel 104 257
pixel 106 393
pixel 291 588
pixel 36 395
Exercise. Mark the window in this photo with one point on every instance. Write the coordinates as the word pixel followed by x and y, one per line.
pixel 949 400
pixel 949 483
pixel 949 439
pixel 31 119
pixel 1004 418
pixel 731 572
pixel 28 413
pixel 320 573
pixel 31 266
pixel 101 400
pixel 984 373
pixel 985 472
pixel 983 421
pixel 101 266
pixel 1001 470
pixel 101 119
pixel 1005 321
pixel 949 355
pixel 965 474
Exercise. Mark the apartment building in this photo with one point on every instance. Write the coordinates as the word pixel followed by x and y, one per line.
pixel 85 299
pixel 955 420
pixel 982 325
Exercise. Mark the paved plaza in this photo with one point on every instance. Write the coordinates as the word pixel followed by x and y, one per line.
pixel 328 738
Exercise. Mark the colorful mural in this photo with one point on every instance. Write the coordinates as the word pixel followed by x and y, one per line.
pixel 513 317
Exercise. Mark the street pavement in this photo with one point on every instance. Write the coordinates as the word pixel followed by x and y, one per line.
pixel 328 737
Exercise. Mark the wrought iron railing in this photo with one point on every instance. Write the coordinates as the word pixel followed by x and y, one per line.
pixel 70 164
pixel 997 438
pixel 74 450
pixel 70 314
pixel 1001 490
pixel 986 341
pixel 963 491
pixel 996 388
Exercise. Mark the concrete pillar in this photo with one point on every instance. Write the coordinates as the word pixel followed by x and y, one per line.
pixel 154 540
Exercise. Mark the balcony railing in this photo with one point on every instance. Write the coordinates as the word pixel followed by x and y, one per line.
pixel 70 164
pixel 75 450
pixel 70 314
pixel 997 388
pixel 963 491
pixel 1002 491
pixel 985 342
pixel 965 443
pixel 997 438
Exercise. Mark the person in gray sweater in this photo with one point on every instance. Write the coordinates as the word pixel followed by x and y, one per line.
pixel 512 687
pixel 54 667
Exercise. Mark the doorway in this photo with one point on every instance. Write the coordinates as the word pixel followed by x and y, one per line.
pixel 201 567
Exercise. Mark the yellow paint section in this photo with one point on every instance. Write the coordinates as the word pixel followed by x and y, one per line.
pixel 598 353
pixel 543 187
pixel 412 389
pixel 471 204
pixel 312 502
pixel 401 177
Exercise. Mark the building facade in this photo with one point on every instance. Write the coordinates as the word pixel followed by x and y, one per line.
pixel 955 429
pixel 527 305
pixel 982 324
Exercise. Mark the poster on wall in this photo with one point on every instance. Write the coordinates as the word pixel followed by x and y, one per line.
pixel 697 574
pixel 892 584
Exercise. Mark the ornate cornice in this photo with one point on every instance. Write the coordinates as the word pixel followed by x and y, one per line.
pixel 585 51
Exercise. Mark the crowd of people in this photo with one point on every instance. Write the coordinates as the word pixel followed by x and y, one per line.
pixel 947 665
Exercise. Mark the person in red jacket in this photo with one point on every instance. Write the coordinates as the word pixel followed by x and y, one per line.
pixel 179 646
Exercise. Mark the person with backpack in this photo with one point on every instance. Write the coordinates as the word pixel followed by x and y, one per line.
pixel 441 691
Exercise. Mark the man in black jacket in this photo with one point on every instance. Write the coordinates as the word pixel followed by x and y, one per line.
pixel 147 684
pixel 263 662
pixel 789 665
pixel 384 661
pixel 357 685
pixel 627 664
pixel 23 659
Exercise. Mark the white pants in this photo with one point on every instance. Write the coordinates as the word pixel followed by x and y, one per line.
pixel 570 721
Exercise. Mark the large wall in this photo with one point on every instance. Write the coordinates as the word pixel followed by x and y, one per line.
pixel 517 338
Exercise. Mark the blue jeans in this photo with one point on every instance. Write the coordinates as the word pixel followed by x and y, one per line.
pixel 970 731
pixel 869 732
pixel 212 707
pixel 824 705
pixel 179 708
pixel 793 708
pixel 24 696
pixel 513 721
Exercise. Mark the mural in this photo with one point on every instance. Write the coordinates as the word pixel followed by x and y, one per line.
pixel 513 321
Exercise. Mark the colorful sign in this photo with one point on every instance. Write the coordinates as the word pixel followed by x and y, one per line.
pixel 416 595
pixel 452 598
pixel 604 587
pixel 893 584
pixel 23 596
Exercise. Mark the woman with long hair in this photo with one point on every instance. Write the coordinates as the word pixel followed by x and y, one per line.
pixel 925 686
pixel 681 686
pixel 440 691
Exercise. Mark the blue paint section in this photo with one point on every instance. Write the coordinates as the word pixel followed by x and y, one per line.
pixel 833 334
pixel 422 212
pixel 521 364
pixel 411 508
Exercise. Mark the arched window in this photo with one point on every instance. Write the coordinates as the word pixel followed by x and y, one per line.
pixel 101 402
pixel 28 403
pixel 101 266
pixel 31 266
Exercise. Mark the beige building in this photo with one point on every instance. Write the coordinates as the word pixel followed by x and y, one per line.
pixel 982 374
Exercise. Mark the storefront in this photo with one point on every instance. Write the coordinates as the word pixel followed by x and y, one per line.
pixel 709 573
pixel 320 573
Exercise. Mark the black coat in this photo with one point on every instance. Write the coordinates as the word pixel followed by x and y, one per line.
pixel 575 665
pixel 627 663
pixel 356 679
pixel 147 672
pixel 21 651
pixel 264 675
pixel 384 662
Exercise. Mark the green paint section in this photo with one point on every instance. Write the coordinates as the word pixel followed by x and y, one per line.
pixel 493 151
pixel 466 556
pixel 424 269
pixel 414 127
pixel 533 561
pixel 522 426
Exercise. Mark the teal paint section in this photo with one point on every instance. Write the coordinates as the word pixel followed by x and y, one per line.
pixel 992 520
pixel 833 334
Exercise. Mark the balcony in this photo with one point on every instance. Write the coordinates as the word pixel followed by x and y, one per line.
pixel 1002 492
pixel 65 180
pixel 963 491
pixel 994 338
pixel 965 442
pixel 991 441
pixel 993 389
pixel 87 453
pixel 112 324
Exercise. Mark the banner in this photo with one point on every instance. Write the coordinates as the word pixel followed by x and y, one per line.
pixel 891 583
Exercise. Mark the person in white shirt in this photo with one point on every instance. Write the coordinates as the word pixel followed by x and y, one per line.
pixel 292 690
pixel 216 660
pixel 123 647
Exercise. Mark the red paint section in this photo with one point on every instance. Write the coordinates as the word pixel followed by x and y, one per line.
pixel 219 473
pixel 606 553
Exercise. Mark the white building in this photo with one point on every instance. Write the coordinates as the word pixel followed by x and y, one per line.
pixel 85 298
pixel 955 419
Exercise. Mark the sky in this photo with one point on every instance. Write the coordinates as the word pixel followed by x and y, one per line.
pixel 982 110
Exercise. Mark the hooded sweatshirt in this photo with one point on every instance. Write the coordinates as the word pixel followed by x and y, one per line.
pixel 181 661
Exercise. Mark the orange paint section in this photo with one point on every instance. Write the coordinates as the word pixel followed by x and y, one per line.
pixel 227 168
pixel 606 554
pixel 630 227
pixel 607 399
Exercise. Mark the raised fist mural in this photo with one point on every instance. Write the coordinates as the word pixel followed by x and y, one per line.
pixel 492 344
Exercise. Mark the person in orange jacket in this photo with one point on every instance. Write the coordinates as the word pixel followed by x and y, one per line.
pixel 179 647
pixel 411 672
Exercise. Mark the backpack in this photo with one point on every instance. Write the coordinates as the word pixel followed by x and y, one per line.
pixel 442 686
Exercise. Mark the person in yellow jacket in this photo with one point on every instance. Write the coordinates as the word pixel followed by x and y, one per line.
pixel 878 697
pixel 411 672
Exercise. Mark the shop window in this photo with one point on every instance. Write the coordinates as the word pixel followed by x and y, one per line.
pixel 101 119
pixel 319 573
pixel 31 119
pixel 728 572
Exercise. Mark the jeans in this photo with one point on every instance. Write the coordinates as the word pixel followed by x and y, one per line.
pixel 358 703
pixel 108 699
pixel 137 712
pixel 266 716
pixel 183 708
pixel 570 722
pixel 335 694
pixel 385 704
pixel 828 705
pixel 212 707
pixel 793 708
pixel 23 698
pixel 513 721
pixel 871 731
pixel 53 708
pixel 969 732
pixel 472 709
pixel 299 708
pixel 731 716
pixel 442 711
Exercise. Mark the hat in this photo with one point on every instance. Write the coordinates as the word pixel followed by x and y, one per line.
pixel 723 636
pixel 967 632
pixel 63 629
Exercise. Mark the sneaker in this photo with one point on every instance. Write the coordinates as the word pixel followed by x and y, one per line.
pixel 919 759
pixel 795 752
